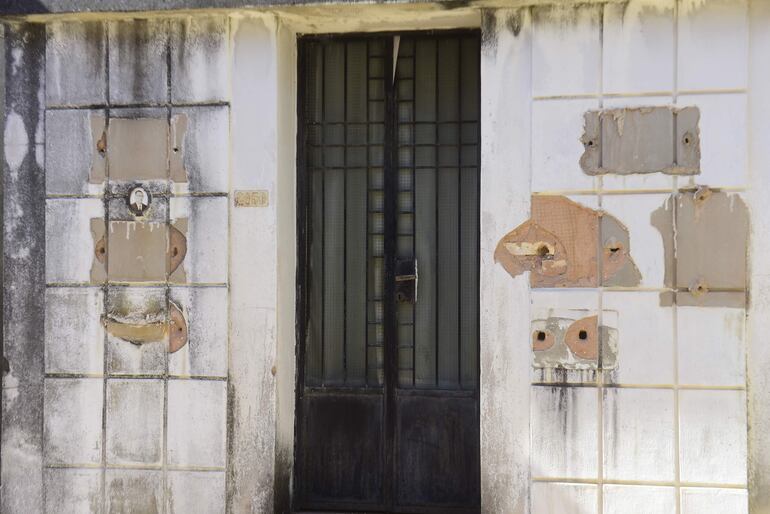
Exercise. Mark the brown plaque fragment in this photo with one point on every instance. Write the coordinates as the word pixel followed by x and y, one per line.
pixel 558 245
pixel 582 338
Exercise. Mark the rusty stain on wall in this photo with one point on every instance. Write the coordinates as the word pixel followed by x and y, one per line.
pixel 559 245
pixel 574 340
pixel 705 240
pixel 641 140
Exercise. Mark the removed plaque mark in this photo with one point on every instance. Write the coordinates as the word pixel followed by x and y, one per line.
pixel 139 148
pixel 705 243
pixel 133 327
pixel 136 251
pixel 641 140
pixel 559 245
pixel 258 198
pixel 571 340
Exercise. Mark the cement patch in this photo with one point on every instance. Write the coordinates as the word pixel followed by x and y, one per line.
pixel 641 140
pixel 706 241
pixel 574 340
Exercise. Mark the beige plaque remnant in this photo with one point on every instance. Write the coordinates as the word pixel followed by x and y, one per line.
pixel 705 241
pixel 136 251
pixel 559 245
pixel 641 140
pixel 139 148
pixel 251 198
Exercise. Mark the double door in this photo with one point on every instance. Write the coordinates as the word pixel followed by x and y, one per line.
pixel 388 292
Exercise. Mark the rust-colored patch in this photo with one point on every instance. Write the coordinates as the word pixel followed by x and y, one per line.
pixel 99 138
pixel 178 241
pixel 99 264
pixel 542 340
pixel 582 338
pixel 177 328
pixel 177 248
pixel 558 245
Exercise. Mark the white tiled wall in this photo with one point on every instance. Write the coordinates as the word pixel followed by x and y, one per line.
pixel 664 432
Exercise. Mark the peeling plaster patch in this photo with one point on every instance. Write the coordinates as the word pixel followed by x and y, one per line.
pixel 148 327
pixel 558 245
pixel 618 269
pixel 570 340
pixel 705 246
pixel 641 140
pixel 145 311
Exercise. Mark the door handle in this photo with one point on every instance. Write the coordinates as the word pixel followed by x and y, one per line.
pixel 406 280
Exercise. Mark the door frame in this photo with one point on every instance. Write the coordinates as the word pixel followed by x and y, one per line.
pixel 390 321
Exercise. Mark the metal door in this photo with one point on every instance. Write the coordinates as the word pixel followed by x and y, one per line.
pixel 388 332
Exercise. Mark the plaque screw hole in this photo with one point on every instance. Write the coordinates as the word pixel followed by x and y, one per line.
pixel 583 335
pixel 540 335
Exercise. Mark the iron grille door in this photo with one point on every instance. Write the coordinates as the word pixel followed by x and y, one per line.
pixel 387 396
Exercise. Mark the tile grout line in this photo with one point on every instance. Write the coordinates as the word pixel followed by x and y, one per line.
pixel 532 36
pixel 164 445
pixel 599 186
pixel 643 483
pixel 105 288
pixel 228 432
pixel 674 311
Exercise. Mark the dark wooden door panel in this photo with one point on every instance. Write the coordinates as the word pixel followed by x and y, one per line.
pixel 388 263
pixel 438 451
pixel 342 449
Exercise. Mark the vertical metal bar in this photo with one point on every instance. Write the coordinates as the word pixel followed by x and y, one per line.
pixel 413 144
pixel 323 209
pixel 345 215
pixel 302 267
pixel 368 258
pixel 477 75
pixel 459 210
pixel 436 204
pixel 390 328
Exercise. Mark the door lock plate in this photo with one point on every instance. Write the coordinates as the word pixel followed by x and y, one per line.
pixel 406 281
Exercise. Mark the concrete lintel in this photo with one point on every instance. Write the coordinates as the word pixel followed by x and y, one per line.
pixel 37 8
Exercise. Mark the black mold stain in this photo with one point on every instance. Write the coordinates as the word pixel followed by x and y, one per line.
pixel 488 30
pixel 24 268
pixel 454 4
pixel 230 472
pixel 513 23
